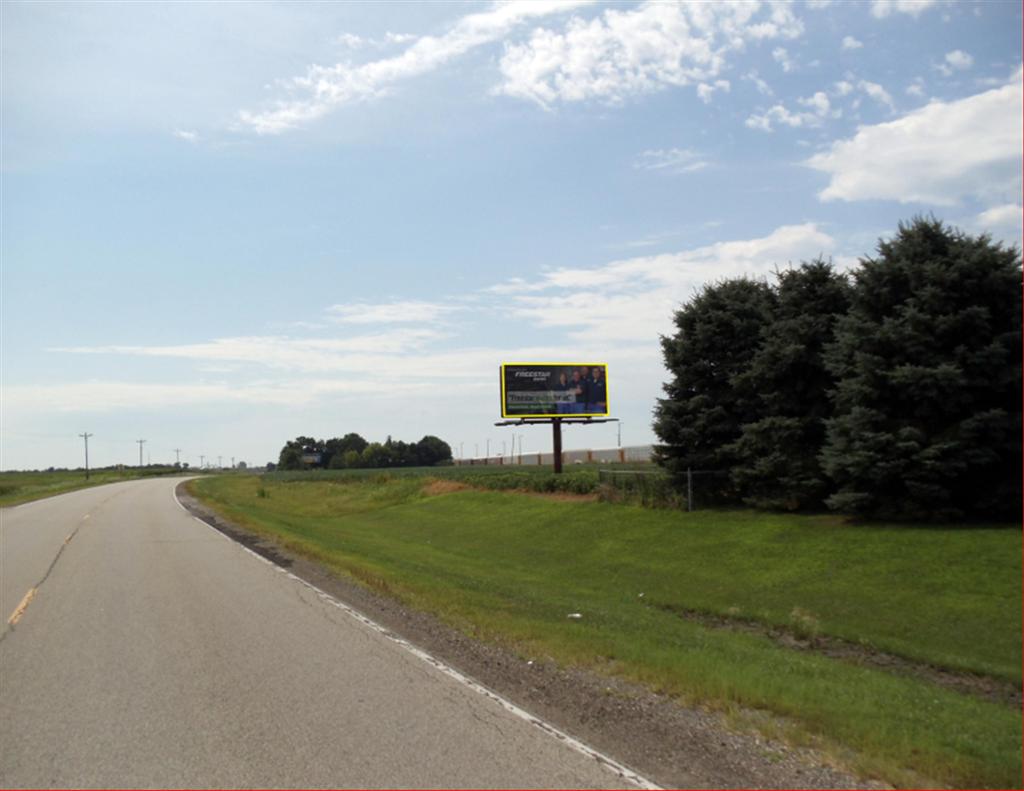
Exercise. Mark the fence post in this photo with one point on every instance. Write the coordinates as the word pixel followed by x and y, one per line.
pixel 689 489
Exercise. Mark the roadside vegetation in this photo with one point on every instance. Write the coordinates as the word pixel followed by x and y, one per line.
pixel 657 590
pixel 20 487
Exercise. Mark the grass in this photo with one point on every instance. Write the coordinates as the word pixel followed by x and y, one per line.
pixel 21 487
pixel 509 568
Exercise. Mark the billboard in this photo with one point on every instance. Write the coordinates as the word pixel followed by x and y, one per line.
pixel 554 390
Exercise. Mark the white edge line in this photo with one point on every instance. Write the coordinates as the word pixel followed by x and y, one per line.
pixel 606 761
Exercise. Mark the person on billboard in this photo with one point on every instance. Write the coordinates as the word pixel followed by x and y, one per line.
pixel 578 390
pixel 563 389
pixel 597 398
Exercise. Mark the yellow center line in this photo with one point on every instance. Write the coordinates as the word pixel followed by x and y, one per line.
pixel 20 610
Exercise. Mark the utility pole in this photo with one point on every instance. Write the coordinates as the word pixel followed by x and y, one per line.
pixel 488 447
pixel 202 460
pixel 177 457
pixel 620 434
pixel 219 464
pixel 86 436
pixel 141 443
pixel 232 462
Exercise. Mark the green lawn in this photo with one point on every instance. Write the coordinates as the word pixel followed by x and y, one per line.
pixel 21 487
pixel 509 568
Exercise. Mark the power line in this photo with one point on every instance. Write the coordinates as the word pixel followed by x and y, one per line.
pixel 177 457
pixel 86 436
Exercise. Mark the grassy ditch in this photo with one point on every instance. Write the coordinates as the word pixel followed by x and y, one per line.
pixel 511 568
pixel 21 487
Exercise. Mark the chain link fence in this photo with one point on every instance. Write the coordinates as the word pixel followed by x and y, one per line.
pixel 655 487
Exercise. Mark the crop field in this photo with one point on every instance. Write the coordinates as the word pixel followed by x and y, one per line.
pixel 897 648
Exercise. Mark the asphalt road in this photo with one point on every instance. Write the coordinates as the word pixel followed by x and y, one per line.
pixel 155 652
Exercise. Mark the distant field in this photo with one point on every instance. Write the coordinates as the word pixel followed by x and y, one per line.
pixel 21 487
pixel 510 568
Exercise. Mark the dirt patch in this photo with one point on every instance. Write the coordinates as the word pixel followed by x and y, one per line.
pixel 560 497
pixel 436 486
pixel 993 689
pixel 674 745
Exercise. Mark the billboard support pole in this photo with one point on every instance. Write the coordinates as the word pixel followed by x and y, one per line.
pixel 556 429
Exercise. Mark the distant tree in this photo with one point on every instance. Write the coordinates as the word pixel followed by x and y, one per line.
pixel 777 462
pixel 351 459
pixel 270 466
pixel 242 465
pixel 927 407
pixel 353 441
pixel 717 334
pixel 374 455
pixel 291 458
pixel 431 451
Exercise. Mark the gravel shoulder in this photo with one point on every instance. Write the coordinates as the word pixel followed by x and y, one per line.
pixel 674 745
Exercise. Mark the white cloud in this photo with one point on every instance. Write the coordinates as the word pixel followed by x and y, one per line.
pixel 843 87
pixel 313 355
pixel 916 88
pixel 186 135
pixel 781 56
pixel 878 93
pixel 762 87
pixel 671 160
pixel 327 87
pixel 818 109
pixel 637 51
pixel 939 153
pixel 398 38
pixel 633 299
pixel 1002 222
pixel 883 8
pixel 1000 215
pixel 350 40
pixel 849 42
pixel 818 103
pixel 957 60
pixel 706 90
pixel 389 312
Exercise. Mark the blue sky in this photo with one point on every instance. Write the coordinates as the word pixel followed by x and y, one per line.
pixel 228 224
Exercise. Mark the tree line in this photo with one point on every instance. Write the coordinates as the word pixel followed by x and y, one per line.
pixel 354 452
pixel 891 391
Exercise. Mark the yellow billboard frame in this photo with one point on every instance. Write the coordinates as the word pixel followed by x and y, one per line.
pixel 607 400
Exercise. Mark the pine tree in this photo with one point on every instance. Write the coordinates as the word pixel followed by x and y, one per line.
pixel 927 407
pixel 718 332
pixel 777 455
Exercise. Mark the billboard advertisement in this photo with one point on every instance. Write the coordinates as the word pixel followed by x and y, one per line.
pixel 554 390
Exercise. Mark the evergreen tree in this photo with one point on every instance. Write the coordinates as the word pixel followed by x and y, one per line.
pixel 718 333
pixel 927 407
pixel 777 455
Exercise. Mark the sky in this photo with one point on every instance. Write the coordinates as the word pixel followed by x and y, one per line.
pixel 225 225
